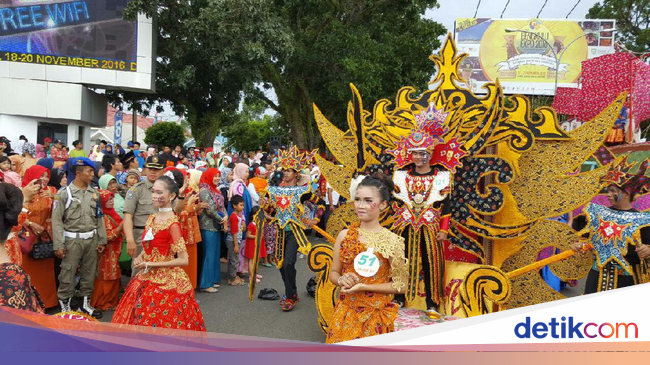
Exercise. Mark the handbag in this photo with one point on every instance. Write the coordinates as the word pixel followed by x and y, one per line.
pixel 26 239
pixel 43 249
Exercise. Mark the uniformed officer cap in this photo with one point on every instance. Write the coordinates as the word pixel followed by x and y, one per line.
pixel 83 161
pixel 156 162
pixel 127 158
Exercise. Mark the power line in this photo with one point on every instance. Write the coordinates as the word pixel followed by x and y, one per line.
pixel 504 9
pixel 573 8
pixel 543 6
pixel 477 5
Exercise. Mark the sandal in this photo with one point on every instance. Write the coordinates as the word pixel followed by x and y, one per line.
pixel 288 305
pixel 237 282
pixel 210 290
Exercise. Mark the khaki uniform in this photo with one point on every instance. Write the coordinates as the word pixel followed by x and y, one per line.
pixel 80 218
pixel 138 203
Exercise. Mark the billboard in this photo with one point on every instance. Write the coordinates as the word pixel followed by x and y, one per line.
pixel 83 33
pixel 523 54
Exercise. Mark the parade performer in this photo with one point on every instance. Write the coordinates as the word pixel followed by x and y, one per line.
pixel 106 293
pixel 287 200
pixel 620 235
pixel 368 266
pixel 423 186
pixel 79 233
pixel 161 294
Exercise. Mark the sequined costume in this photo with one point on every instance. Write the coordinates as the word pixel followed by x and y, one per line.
pixel 366 314
pixel 425 210
pixel 162 296
pixel 615 234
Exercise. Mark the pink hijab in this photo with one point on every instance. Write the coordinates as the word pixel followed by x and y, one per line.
pixel 240 175
pixel 39 152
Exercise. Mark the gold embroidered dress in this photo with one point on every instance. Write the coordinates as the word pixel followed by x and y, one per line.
pixel 163 296
pixel 367 314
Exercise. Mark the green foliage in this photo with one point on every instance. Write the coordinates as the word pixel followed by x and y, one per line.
pixel 632 21
pixel 165 134
pixel 212 52
pixel 253 128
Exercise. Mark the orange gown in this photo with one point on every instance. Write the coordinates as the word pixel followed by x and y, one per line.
pixel 106 293
pixel 366 314
pixel 192 235
pixel 40 271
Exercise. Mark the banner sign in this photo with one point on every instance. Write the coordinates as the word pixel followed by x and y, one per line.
pixel 117 134
pixel 528 55
pixel 83 33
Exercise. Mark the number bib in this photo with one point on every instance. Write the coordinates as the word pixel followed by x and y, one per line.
pixel 366 263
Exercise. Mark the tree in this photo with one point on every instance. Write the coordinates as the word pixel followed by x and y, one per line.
pixel 209 51
pixel 212 52
pixel 165 134
pixel 253 128
pixel 632 21
pixel 378 45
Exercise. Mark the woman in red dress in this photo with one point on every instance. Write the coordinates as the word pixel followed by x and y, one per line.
pixel 161 294
pixel 106 293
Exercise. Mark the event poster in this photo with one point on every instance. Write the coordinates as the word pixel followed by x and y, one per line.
pixel 83 33
pixel 523 54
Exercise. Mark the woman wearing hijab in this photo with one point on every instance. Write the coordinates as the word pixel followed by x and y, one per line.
pixel 48 163
pixel 109 149
pixel 109 182
pixel 213 220
pixel 58 178
pixel 15 285
pixel 40 152
pixel 238 186
pixel 17 164
pixel 29 152
pixel 37 218
pixel 106 292
pixel 99 172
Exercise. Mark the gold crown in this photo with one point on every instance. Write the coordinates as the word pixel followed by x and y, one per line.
pixel 294 159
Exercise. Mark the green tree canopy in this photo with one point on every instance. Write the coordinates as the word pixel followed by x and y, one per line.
pixel 212 52
pixel 253 129
pixel 632 21
pixel 165 134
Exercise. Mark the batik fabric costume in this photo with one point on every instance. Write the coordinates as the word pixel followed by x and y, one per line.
pixel 287 201
pixel 366 314
pixel 614 234
pixel 161 296
pixel 424 209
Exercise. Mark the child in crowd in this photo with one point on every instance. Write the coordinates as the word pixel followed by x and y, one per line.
pixel 249 250
pixel 234 240
pixel 10 177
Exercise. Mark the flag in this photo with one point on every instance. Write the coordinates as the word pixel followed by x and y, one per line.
pixel 117 134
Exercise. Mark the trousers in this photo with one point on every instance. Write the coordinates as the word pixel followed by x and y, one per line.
pixel 78 253
pixel 288 269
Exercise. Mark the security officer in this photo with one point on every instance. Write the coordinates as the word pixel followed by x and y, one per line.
pixel 79 234
pixel 138 206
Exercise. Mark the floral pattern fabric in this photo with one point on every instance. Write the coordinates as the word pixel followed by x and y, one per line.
pixel 16 290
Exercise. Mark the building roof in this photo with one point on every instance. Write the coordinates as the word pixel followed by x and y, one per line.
pixel 143 122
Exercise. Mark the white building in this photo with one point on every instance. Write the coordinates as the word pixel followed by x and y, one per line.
pixel 51 96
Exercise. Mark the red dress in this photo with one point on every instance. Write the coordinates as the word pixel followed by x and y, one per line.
pixel 249 249
pixel 162 297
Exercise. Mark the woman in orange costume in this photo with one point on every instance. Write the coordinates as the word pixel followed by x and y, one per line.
pixel 161 294
pixel 365 307
pixel 189 219
pixel 106 294
pixel 36 214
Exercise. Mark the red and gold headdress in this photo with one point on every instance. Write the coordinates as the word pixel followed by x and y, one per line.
pixel 623 175
pixel 428 136
pixel 294 159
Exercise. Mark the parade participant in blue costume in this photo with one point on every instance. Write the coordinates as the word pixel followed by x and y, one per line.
pixel 287 202
pixel 619 234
